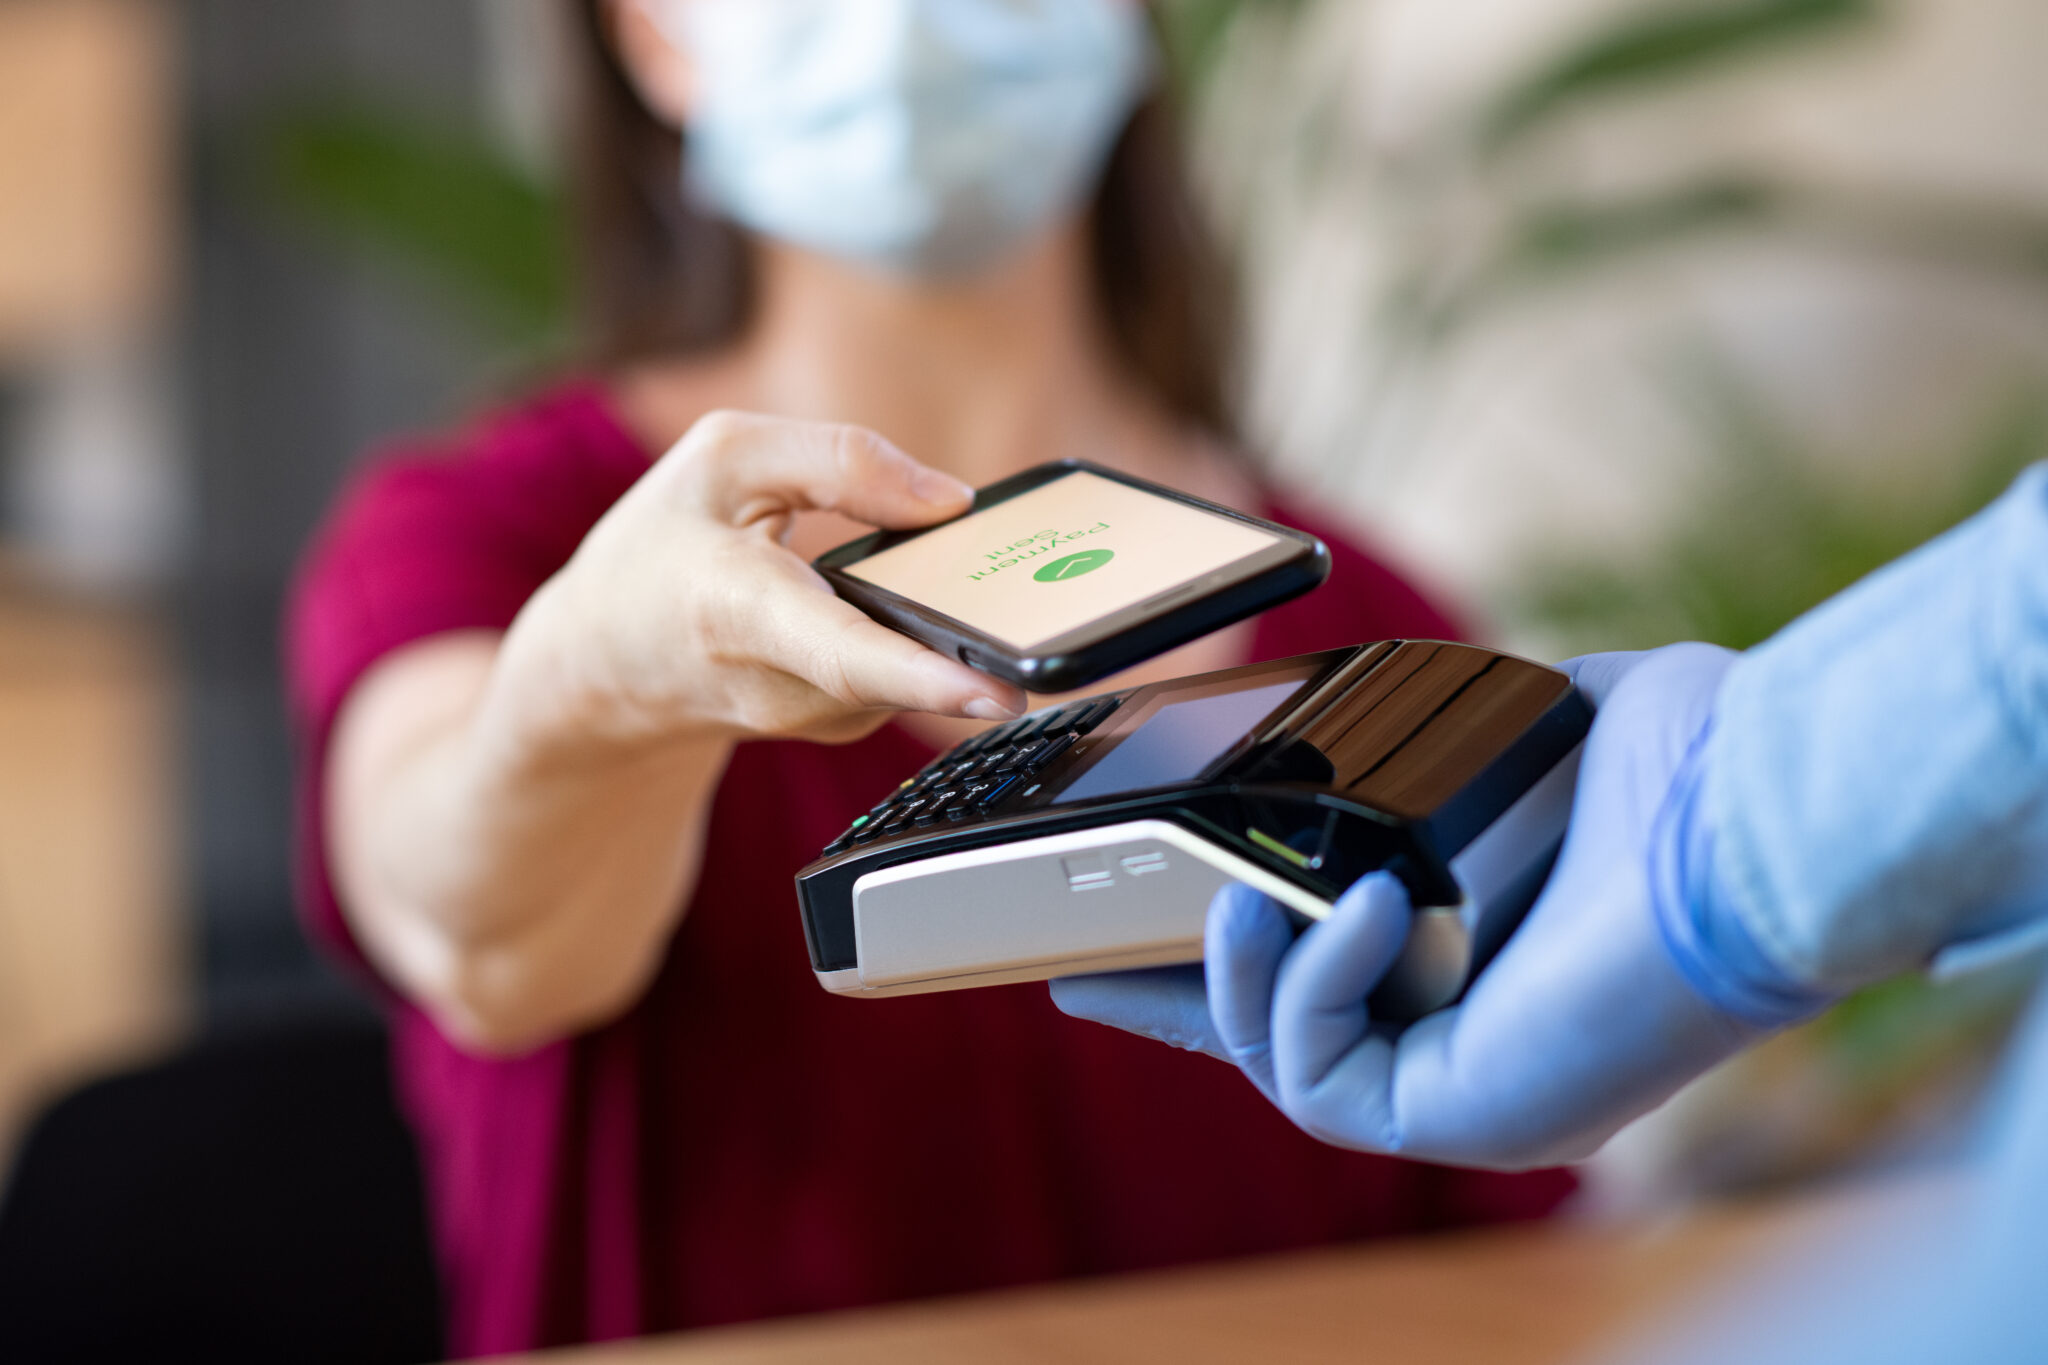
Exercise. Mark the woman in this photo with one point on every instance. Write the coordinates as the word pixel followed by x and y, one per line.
pixel 571 704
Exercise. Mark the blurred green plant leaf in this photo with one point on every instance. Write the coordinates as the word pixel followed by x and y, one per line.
pixel 1906 1032
pixel 432 197
pixel 1553 244
pixel 1194 33
pixel 1999 235
pixel 1659 45
pixel 1566 236
pixel 1770 533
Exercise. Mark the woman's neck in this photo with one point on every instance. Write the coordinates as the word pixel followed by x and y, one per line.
pixel 980 378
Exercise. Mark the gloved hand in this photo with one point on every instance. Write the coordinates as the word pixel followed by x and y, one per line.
pixel 1583 1022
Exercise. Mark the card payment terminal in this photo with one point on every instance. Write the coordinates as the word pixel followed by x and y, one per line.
pixel 1090 836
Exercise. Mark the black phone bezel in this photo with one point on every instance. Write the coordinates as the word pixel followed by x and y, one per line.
pixel 1296 563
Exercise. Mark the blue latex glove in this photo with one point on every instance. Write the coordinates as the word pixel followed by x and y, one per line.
pixel 1583 1022
pixel 1864 794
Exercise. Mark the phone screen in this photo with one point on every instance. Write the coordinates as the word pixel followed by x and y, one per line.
pixel 1049 561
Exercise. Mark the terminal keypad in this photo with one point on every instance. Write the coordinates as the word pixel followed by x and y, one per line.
pixel 978 775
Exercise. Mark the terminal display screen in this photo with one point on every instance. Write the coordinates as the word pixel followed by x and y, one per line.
pixel 1180 731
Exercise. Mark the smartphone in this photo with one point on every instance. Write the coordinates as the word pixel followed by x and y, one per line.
pixel 1069 572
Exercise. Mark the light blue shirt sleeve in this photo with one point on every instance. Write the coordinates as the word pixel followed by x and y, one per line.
pixel 1950 1272
pixel 1874 792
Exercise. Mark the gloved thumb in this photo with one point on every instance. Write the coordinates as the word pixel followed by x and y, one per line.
pixel 1246 938
pixel 1335 1075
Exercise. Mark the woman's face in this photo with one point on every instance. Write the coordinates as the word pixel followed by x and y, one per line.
pixel 917 136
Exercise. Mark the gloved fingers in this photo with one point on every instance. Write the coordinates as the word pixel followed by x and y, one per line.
pixel 1168 1004
pixel 1597 675
pixel 1334 1076
pixel 1247 937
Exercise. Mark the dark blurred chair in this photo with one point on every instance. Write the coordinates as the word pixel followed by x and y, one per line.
pixel 255 1198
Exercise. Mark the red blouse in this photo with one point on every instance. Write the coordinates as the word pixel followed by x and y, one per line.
pixel 741 1144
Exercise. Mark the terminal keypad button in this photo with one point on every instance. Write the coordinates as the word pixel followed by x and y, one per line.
pixel 1094 714
pixel 1000 787
pixel 1054 747
pixel 1030 754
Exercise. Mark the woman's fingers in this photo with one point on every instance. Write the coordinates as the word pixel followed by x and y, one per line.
pixel 863 665
pixel 740 469
pixel 736 469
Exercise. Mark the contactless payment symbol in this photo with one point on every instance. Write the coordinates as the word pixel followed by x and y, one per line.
pixel 1073 566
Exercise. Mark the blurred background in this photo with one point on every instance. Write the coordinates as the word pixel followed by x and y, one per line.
pixel 1618 321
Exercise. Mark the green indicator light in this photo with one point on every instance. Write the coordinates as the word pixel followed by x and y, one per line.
pixel 859 821
pixel 1272 845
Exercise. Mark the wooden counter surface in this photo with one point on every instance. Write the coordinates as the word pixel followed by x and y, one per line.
pixel 1530 1296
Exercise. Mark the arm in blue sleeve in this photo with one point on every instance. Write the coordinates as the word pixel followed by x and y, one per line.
pixel 1874 791
pixel 1931 1267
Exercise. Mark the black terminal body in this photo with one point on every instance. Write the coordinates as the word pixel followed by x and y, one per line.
pixel 1070 840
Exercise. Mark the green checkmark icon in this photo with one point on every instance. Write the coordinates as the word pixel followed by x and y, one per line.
pixel 1073 566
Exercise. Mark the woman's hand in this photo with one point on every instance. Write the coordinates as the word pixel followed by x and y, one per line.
pixel 684 615
pixel 516 823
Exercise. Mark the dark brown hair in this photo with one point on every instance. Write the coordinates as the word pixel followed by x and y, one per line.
pixel 659 276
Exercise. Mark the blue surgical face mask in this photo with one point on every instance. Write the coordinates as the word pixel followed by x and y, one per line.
pixel 928 137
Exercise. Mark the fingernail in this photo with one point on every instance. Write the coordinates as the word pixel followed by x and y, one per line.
pixel 933 486
pixel 988 708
